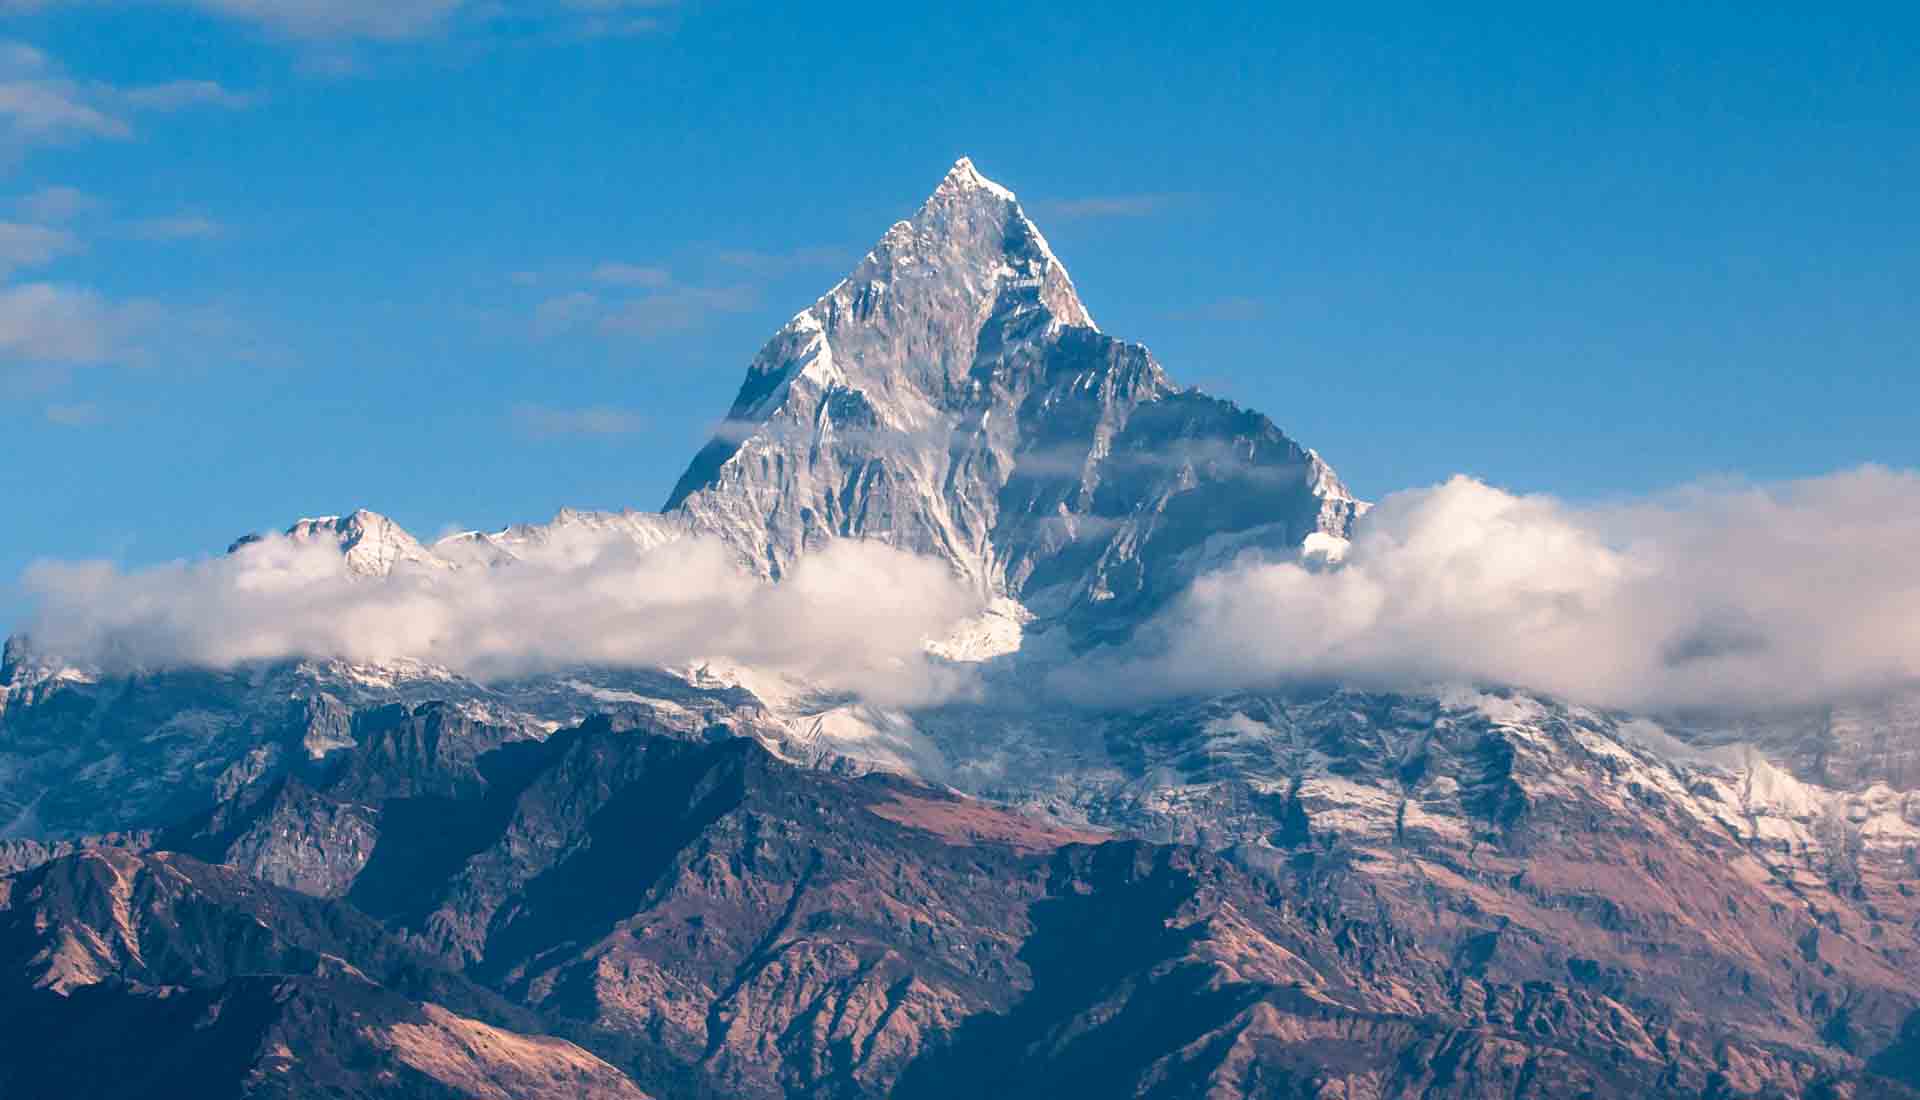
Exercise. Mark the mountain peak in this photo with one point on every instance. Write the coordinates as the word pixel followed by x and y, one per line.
pixel 372 544
pixel 952 397
pixel 963 176
pixel 972 237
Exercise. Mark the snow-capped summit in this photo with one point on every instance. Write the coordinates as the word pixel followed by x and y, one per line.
pixel 952 396
pixel 373 545
pixel 518 541
pixel 963 176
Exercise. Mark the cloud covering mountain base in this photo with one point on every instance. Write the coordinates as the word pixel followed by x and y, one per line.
pixel 852 617
pixel 1716 595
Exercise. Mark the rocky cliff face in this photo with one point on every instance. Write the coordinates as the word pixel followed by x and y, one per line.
pixel 699 919
pixel 131 975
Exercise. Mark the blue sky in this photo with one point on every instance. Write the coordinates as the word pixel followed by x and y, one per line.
pixel 465 263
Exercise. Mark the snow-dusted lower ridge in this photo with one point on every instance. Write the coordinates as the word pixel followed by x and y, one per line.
pixel 571 530
pixel 1462 838
pixel 374 545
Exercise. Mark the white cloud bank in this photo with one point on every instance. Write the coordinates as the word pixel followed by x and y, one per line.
pixel 1715 596
pixel 851 617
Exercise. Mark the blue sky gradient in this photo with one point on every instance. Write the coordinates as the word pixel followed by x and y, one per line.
pixel 465 263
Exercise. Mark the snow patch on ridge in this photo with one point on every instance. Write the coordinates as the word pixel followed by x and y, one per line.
pixel 995 632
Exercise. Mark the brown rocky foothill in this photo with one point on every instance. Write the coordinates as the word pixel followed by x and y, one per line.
pixel 628 912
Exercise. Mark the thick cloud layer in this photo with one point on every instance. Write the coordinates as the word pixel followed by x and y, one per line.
pixel 1718 595
pixel 852 617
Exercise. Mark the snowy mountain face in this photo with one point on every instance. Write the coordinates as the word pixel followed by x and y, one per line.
pixel 953 397
pixel 372 544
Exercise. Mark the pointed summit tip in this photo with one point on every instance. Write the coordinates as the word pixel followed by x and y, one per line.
pixel 963 176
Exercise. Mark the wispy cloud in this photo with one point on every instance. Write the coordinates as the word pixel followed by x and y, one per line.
pixel 346 21
pixel 774 264
pixel 25 245
pixel 1236 308
pixel 545 422
pixel 646 300
pixel 41 104
pixel 1104 206
pixel 587 19
pixel 179 227
pixel 49 329
pixel 605 6
pixel 42 111
pixel 324 19
pixel 57 205
pixel 565 312
pixel 179 95
pixel 678 310
pixel 650 314
pixel 623 298
pixel 48 323
pixel 624 274
pixel 84 414
pixel 38 103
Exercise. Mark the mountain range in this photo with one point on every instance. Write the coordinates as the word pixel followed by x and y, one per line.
pixel 318 874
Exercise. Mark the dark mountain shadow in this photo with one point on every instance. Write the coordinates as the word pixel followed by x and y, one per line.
pixel 1899 1063
pixel 671 792
pixel 426 840
pixel 1110 993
